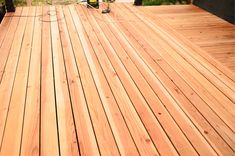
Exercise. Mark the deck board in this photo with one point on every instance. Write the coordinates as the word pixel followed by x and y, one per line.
pixel 14 120
pixel 212 34
pixel 120 120
pixel 73 54
pixel 48 113
pixel 30 134
pixel 137 81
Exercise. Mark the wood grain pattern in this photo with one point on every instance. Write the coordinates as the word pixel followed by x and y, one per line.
pixel 48 113
pixel 7 41
pixel 136 81
pixel 14 122
pixel 210 33
pixel 4 26
pixel 102 128
pixel 87 141
pixel 117 122
pixel 167 53
pixel 146 147
pixel 152 99
pixel 67 137
pixel 10 71
pixel 30 135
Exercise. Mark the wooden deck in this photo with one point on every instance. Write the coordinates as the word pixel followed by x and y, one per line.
pixel 76 82
pixel 212 34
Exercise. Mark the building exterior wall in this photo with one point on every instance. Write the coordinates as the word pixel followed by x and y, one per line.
pixel 221 8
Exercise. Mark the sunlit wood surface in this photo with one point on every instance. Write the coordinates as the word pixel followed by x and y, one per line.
pixel 74 81
pixel 214 35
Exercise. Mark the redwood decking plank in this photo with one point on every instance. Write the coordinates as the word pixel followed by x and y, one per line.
pixel 167 53
pixel 30 135
pixel 100 123
pixel 174 116
pixel 226 85
pixel 193 96
pixel 15 115
pixel 7 42
pixel 68 141
pixel 147 146
pixel 49 141
pixel 204 23
pixel 118 122
pixel 7 81
pixel 143 142
pixel 177 94
pixel 152 100
pixel 157 59
pixel 131 82
pixel 4 26
pixel 86 136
